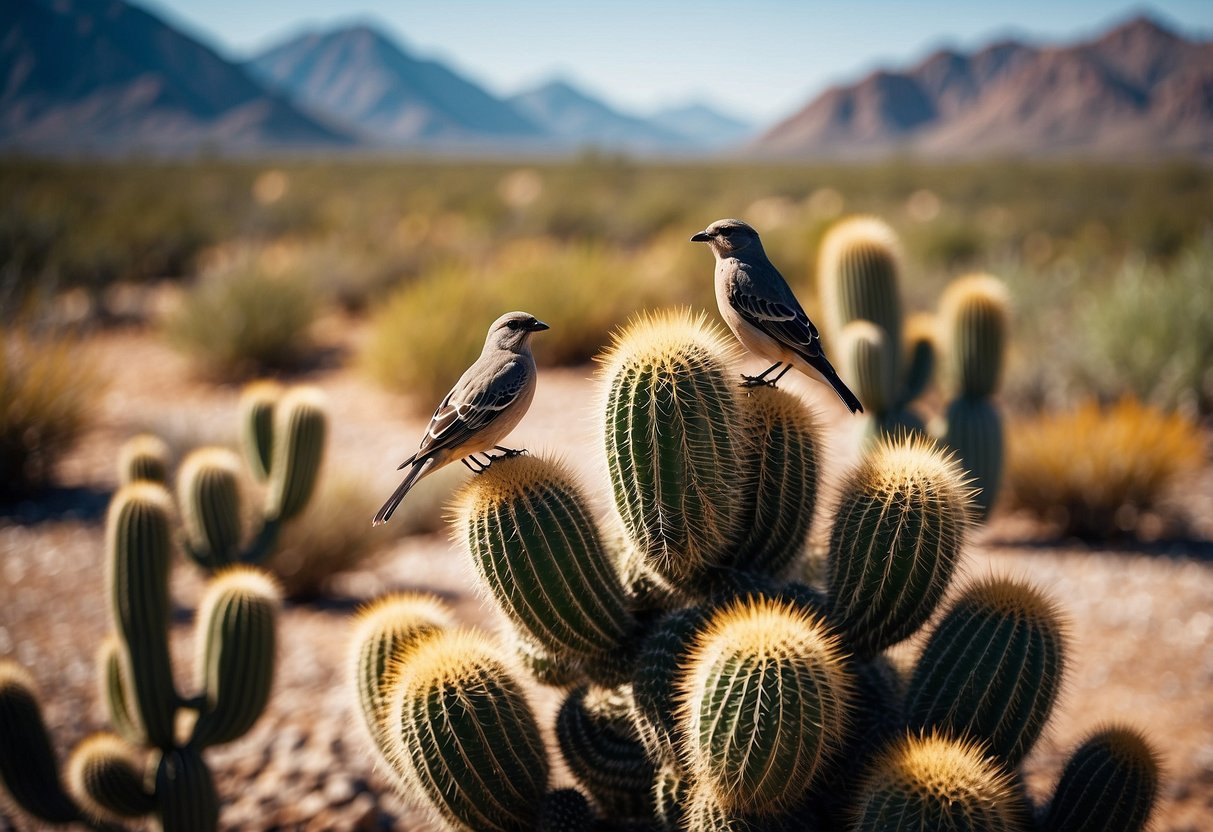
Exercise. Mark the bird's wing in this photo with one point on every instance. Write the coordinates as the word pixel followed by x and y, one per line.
pixel 783 320
pixel 473 403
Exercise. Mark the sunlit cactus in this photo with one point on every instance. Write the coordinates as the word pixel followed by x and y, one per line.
pixel 257 403
pixel 544 666
pixel 209 493
pixel 115 691
pixel 992 668
pixel 237 639
pixel 29 772
pixel 1110 782
pixel 186 800
pixel 662 661
pixel 975 432
pixel 897 536
pixel 463 735
pixel 139 557
pixel 931 783
pixel 599 742
pixel 867 364
pixel 106 776
pixel 782 459
pixel 858 275
pixel 764 703
pixel 383 630
pixel 143 458
pixel 300 431
pixel 670 428
pixel 921 343
pixel 534 542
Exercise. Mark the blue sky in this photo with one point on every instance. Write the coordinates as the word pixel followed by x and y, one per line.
pixel 760 59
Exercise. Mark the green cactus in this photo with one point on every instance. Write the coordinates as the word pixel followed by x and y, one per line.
pixel 106 777
pixel 764 702
pixel 782 458
pixel 300 430
pixel 663 658
pixel 671 442
pixel 992 668
pixel 186 800
pixel 235 663
pixel 867 363
pixel 29 772
pixel 115 691
pixel 601 746
pixel 566 810
pixel 210 507
pixel 975 432
pixel 143 458
pixel 533 540
pixel 463 736
pixel 257 403
pixel 544 666
pixel 383 631
pixel 931 783
pixel 921 350
pixel 139 541
pixel 1109 782
pixel 895 542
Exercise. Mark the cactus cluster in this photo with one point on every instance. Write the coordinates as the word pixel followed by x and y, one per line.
pixel 703 687
pixel 282 433
pixel 152 766
pixel 889 361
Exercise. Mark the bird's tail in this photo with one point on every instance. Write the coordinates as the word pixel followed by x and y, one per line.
pixel 848 398
pixel 420 468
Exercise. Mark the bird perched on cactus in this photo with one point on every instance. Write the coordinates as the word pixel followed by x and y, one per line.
pixel 487 402
pixel 759 306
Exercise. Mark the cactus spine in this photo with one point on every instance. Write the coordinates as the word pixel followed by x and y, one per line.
pixel 896 538
pixel 1109 782
pixel 566 810
pixel 600 743
pixel 992 668
pixel 464 735
pixel 975 312
pixel 671 442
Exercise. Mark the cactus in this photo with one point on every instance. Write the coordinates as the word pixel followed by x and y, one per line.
pixel 664 656
pixel 867 361
pixel 1109 782
pixel 186 800
pixel 859 277
pixel 671 442
pixel 932 783
pixel 115 691
pixel 235 653
pixel 106 776
pixel 464 736
pixel 257 403
pixel 895 543
pixel 534 542
pixel 566 810
pixel 975 311
pixel 300 429
pixel 28 770
pixel 210 506
pixel 600 743
pixel 782 459
pixel 992 668
pixel 143 458
pixel 763 703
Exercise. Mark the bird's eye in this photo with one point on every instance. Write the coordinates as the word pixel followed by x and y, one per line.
pixel 726 231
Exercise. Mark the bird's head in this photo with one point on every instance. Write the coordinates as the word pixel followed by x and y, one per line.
pixel 513 330
pixel 727 238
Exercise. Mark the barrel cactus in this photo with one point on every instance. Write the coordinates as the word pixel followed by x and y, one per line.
pixel 701 686
pixel 149 768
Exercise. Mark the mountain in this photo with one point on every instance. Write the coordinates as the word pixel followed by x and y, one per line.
pixel 357 75
pixel 1138 90
pixel 574 119
pixel 702 125
pixel 103 76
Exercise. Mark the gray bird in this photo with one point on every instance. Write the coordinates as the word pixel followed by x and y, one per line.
pixel 487 402
pixel 758 305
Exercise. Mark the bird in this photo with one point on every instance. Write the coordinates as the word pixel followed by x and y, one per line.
pixel 487 402
pixel 758 305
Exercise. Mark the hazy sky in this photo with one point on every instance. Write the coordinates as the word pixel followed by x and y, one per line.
pixel 757 58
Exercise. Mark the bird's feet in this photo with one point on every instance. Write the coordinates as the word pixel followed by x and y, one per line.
pixel 476 465
pixel 507 453
pixel 756 381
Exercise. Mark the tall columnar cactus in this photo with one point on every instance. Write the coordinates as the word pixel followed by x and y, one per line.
pixel 257 403
pixel 992 668
pixel 931 783
pixel 704 691
pixel 671 442
pixel 209 493
pixel 975 316
pixel 1109 782
pixel 764 703
pixel 464 736
pixel 895 542
pixel 28 769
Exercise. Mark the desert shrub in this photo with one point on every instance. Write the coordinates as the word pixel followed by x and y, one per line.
pixel 1092 471
pixel 1150 331
pixel 245 315
pixel 47 392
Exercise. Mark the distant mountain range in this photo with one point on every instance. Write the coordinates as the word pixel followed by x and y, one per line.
pixel 1137 90
pixel 106 77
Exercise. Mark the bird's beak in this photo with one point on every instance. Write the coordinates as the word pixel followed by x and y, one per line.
pixel 538 326
pixel 702 237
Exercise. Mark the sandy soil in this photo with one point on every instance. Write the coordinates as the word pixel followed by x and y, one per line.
pixel 1141 618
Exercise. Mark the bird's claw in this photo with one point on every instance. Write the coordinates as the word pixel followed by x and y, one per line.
pixel 756 381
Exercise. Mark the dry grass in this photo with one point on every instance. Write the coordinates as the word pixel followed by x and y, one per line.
pixel 48 390
pixel 1094 471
